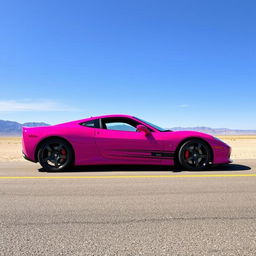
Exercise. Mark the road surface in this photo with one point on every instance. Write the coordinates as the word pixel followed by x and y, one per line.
pixel 128 211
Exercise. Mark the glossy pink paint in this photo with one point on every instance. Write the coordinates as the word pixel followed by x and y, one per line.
pixel 101 146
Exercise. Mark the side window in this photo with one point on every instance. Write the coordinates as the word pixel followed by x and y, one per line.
pixel 92 123
pixel 120 126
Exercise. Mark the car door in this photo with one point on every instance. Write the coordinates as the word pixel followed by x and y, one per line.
pixel 123 144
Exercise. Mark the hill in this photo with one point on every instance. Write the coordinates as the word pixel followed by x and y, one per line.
pixel 216 131
pixel 12 128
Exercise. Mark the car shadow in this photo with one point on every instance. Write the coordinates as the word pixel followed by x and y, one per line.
pixel 146 168
pixel 229 167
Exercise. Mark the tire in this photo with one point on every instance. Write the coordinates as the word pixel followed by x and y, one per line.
pixel 195 155
pixel 55 155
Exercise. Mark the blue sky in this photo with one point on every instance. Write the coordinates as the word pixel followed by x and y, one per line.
pixel 175 63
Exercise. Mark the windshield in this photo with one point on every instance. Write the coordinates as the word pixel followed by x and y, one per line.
pixel 153 125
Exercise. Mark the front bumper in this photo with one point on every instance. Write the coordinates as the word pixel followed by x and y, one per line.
pixel 222 154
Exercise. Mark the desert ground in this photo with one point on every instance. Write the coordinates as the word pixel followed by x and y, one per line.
pixel 243 147
pixel 123 211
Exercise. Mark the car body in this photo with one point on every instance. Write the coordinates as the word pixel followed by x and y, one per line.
pixel 119 139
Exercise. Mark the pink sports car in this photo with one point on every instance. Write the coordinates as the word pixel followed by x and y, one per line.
pixel 120 139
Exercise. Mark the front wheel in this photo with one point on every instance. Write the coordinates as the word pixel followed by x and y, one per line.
pixel 194 155
pixel 55 155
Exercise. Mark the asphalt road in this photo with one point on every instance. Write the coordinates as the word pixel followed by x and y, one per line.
pixel 128 211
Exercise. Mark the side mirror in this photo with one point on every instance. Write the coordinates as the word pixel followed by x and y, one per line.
pixel 142 128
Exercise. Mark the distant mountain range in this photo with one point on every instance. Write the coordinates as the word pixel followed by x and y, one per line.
pixel 11 128
pixel 216 131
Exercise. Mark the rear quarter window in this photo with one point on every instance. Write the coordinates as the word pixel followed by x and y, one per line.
pixel 91 123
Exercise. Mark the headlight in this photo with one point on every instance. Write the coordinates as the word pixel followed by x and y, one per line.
pixel 221 141
pixel 217 139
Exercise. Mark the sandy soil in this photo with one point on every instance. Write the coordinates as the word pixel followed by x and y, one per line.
pixel 243 147
pixel 10 149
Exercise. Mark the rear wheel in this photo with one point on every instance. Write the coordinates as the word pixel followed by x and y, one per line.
pixel 55 155
pixel 194 155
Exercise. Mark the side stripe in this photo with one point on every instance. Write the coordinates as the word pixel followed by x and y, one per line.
pixel 144 156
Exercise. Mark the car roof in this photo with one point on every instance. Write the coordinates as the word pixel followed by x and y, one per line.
pixel 107 116
pixel 103 116
pixel 114 115
pixel 97 117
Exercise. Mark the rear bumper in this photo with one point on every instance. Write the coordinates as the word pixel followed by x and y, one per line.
pixel 25 157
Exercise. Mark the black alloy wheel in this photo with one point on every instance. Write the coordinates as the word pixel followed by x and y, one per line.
pixel 55 155
pixel 195 155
